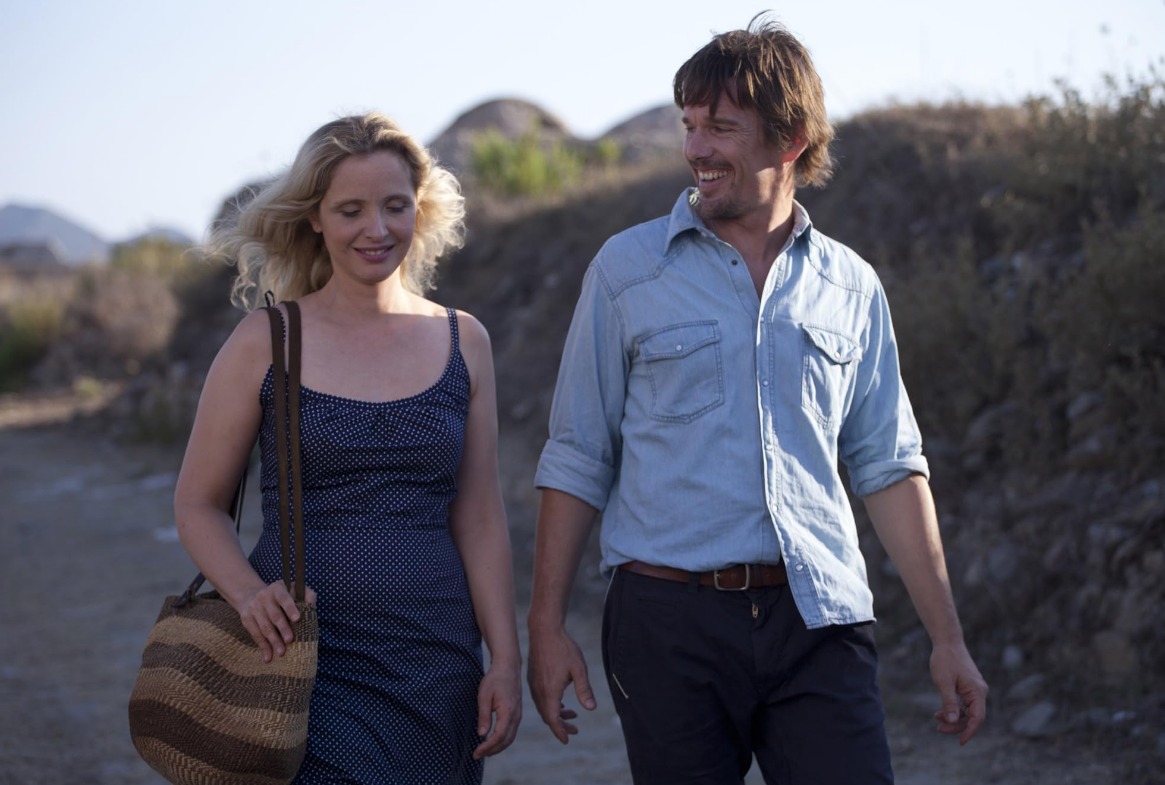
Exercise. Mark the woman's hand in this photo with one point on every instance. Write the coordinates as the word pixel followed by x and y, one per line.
pixel 499 709
pixel 268 614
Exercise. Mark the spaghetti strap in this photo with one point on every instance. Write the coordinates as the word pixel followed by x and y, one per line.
pixel 456 344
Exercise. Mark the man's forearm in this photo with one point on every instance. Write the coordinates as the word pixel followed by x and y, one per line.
pixel 905 520
pixel 564 525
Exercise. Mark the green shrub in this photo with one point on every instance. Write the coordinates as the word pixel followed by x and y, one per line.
pixel 607 152
pixel 152 255
pixel 526 166
pixel 28 329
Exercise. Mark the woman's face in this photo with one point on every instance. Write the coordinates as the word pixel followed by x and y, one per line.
pixel 367 216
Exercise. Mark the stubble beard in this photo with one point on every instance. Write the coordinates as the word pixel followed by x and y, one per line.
pixel 724 209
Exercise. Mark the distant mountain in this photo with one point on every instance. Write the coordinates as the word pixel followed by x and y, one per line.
pixel 73 243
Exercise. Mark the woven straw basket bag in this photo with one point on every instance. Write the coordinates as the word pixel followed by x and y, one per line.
pixel 206 709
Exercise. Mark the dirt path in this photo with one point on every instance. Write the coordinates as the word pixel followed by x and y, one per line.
pixel 87 551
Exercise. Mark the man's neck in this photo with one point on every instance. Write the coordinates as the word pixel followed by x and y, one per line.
pixel 758 237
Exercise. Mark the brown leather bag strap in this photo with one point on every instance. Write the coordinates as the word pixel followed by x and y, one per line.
pixel 286 400
pixel 279 398
pixel 286 396
pixel 294 351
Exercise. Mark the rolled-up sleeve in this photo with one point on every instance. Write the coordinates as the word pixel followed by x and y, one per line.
pixel 880 443
pixel 582 454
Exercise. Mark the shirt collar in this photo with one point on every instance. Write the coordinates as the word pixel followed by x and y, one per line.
pixel 801 224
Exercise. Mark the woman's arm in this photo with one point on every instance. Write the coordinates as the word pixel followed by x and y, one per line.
pixel 221 439
pixel 481 533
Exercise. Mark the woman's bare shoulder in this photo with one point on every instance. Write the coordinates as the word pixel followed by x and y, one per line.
pixel 253 331
pixel 475 348
pixel 248 349
pixel 472 331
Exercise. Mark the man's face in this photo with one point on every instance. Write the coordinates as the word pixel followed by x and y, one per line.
pixel 736 170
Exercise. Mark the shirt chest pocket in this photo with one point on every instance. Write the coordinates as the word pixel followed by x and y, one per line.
pixel 684 370
pixel 829 365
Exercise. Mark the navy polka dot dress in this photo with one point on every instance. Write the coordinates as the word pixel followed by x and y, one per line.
pixel 400 660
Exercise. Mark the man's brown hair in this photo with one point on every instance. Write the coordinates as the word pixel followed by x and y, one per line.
pixel 767 70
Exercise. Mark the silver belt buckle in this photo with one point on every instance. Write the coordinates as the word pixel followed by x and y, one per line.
pixel 747 580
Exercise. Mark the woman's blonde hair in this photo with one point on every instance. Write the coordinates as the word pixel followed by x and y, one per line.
pixel 272 241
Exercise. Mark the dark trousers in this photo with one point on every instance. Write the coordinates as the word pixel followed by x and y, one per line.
pixel 703 680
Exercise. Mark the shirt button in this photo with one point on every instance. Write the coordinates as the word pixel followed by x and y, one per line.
pixel 735 262
pixel 764 383
pixel 679 347
pixel 800 567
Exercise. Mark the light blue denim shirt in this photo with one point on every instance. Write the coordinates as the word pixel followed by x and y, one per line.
pixel 707 423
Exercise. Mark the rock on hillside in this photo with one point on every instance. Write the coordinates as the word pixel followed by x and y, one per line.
pixel 512 117
pixel 650 135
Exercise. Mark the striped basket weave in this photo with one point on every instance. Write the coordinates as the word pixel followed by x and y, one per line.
pixel 206 709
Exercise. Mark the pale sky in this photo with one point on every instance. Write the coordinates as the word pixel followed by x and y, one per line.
pixel 124 115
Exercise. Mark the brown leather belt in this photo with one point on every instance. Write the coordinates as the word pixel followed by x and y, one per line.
pixel 738 577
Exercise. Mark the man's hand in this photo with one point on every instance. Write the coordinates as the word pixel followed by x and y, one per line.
pixel 962 689
pixel 905 520
pixel 555 661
